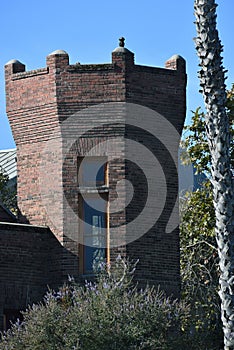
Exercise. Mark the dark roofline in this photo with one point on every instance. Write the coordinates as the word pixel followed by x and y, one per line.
pixel 8 211
pixel 10 226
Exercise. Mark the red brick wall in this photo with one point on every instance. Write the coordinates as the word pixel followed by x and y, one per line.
pixel 29 262
pixel 39 101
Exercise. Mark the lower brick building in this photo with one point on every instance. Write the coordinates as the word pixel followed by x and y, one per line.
pixel 97 174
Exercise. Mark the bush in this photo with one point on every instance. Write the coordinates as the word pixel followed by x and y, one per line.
pixel 110 313
pixel 200 266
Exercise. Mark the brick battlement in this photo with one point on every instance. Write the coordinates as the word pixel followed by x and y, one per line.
pixel 83 68
pixel 29 74
pixel 90 67
pixel 17 69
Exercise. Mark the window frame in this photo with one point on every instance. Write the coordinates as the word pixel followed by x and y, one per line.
pixel 80 172
pixel 92 192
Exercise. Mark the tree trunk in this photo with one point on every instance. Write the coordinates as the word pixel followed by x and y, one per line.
pixel 212 81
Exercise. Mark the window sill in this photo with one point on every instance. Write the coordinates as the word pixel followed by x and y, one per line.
pixel 94 189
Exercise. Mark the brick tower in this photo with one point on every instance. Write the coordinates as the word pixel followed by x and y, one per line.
pixel 77 129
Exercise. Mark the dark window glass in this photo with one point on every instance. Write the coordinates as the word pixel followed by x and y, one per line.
pixel 92 171
pixel 94 235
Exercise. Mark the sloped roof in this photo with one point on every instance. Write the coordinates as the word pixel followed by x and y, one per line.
pixel 6 215
pixel 8 162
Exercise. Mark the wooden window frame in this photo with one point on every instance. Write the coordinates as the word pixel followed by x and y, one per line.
pixel 81 213
pixel 106 169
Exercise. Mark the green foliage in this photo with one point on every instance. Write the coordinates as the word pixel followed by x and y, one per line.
pixel 199 265
pixel 199 255
pixel 195 141
pixel 230 104
pixel 3 179
pixel 110 313
pixel 7 193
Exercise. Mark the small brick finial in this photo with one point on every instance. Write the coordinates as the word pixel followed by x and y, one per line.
pixel 121 53
pixel 121 42
pixel 176 62
pixel 14 66
pixel 58 58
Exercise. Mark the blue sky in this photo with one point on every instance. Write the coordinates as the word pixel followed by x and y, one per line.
pixel 89 31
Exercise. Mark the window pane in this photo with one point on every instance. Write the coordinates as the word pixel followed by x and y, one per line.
pixel 94 216
pixel 92 256
pixel 92 171
pixel 94 235
pixel 95 241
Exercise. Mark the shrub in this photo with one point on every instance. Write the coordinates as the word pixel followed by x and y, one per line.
pixel 109 313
